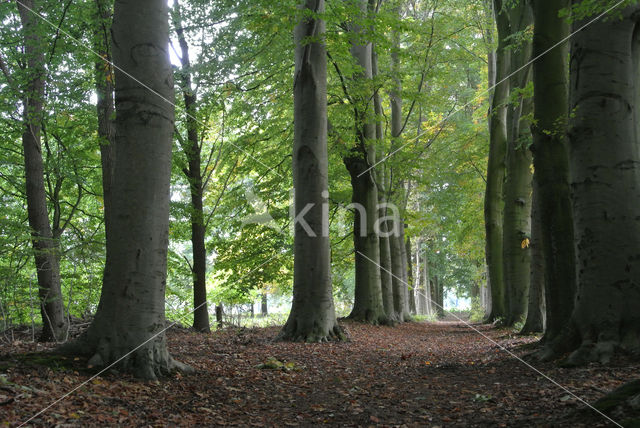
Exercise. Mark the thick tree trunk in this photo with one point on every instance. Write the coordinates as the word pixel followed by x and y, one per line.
pixel 496 169
pixel 536 312
pixel 46 247
pixel 550 159
pixel 312 317
pixel 129 324
pixel 517 186
pixel 192 150
pixel 605 179
pixel 368 304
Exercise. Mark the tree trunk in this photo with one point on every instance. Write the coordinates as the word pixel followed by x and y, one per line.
pixel 410 279
pixel 368 305
pixel 439 296
pixel 129 325
pixel 426 287
pixel 496 168
pixel 46 247
pixel 399 295
pixel 220 316
pixel 536 312
pixel 264 310
pixel 386 281
pixel 192 151
pixel 605 179
pixel 551 163
pixel 517 186
pixel 105 108
pixel 312 317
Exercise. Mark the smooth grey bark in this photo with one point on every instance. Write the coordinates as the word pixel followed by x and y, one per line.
pixel 129 324
pixel 397 189
pixel 535 322
pixel 400 302
pixel 386 281
pixel 605 182
pixel 493 205
pixel 46 246
pixel 517 185
pixel 312 317
pixel 551 163
pixel 192 150
pixel 368 302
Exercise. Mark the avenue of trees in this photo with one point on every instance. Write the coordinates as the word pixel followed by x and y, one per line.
pixel 359 158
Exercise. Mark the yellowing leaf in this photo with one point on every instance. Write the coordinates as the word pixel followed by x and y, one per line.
pixel 525 243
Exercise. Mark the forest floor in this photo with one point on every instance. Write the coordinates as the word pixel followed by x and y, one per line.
pixel 416 374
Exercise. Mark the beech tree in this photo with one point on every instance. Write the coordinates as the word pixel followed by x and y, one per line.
pixel 496 166
pixel 312 317
pixel 517 185
pixel 551 162
pixel 130 321
pixel 368 302
pixel 604 161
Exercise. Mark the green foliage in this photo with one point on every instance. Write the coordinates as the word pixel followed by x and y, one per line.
pixel 242 70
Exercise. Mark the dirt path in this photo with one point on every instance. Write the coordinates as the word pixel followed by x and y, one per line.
pixel 440 374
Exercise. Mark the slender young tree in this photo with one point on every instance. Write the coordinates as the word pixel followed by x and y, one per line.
pixel 312 317
pixel 605 183
pixel 46 243
pixel 551 163
pixel 192 148
pixel 129 324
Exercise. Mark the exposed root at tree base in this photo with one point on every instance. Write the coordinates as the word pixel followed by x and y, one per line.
pixel 147 362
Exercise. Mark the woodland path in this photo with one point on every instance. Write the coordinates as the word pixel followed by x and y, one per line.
pixel 417 374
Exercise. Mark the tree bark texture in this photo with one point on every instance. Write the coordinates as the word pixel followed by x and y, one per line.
pixel 129 325
pixel 312 317
pixel 535 322
pixel 551 163
pixel 368 303
pixel 493 204
pixel 517 185
pixel 605 182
